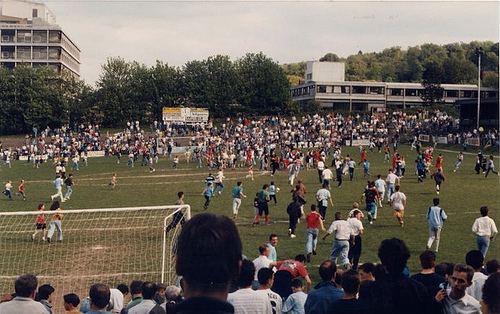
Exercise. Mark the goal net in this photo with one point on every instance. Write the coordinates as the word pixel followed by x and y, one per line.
pixel 111 246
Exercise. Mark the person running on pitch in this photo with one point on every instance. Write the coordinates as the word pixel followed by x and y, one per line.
pixel 439 179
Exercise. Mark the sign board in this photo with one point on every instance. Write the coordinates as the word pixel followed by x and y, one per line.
pixel 442 140
pixel 473 141
pixel 423 138
pixel 360 142
pixel 185 115
pixel 96 153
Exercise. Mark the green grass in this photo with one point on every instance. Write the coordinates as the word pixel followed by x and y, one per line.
pixel 462 195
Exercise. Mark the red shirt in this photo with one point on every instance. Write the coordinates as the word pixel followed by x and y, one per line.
pixel 295 268
pixel 21 187
pixel 40 219
pixel 313 220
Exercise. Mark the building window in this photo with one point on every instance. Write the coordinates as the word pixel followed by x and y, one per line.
pixel 35 13
pixel 359 89
pixel 413 92
pixel 321 88
pixel 396 92
pixel 309 76
pixel 451 93
pixel 376 90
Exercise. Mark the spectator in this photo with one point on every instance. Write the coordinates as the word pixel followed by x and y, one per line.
pixel 492 267
pixel 208 258
pixel 260 262
pixel 296 268
pixel 366 271
pixel 266 280
pixel 349 304
pixel 457 300
pixel 22 303
pixel 294 304
pixel 326 292
pixel 485 230
pixel 444 269
pixel 429 278
pixel 273 241
pixel 394 292
pixel 147 305
pixel 117 296
pixel 99 299
pixel 71 302
pixel 245 300
pixel 491 295
pixel 44 296
pixel 172 297
pixel 475 260
pixel 136 293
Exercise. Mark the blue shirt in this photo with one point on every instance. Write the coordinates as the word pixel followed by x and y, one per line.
pixel 236 192
pixel 295 302
pixel 320 300
pixel 273 256
pixel 209 191
pixel 436 217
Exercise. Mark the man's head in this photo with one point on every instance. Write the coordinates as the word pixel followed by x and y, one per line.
pixel 45 292
pixel 25 286
pixel 123 288
pixel 265 277
pixel 474 259
pixel 492 266
pixel 484 211
pixel 265 187
pixel 444 269
pixel 338 216
pixel 136 288
pixel 209 253
pixel 238 183
pixel 273 239
pixel 296 285
pixel 148 290
pixel 300 258
pixel 313 207
pixel 71 301
pixel 350 282
pixel 366 271
pixel 397 188
pixel 393 254
pixel 99 296
pixel 180 195
pixel 435 201
pixel 247 274
pixel 461 278
pixel 327 270
pixel 264 250
pixel 428 259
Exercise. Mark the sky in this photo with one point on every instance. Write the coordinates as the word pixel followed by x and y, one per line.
pixel 178 31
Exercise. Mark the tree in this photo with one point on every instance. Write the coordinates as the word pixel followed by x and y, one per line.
pixel 330 57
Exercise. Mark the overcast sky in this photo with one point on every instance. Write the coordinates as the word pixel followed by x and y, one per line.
pixel 287 31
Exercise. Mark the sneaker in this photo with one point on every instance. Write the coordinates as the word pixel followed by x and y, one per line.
pixel 293 236
pixel 289 232
pixel 43 239
pixel 314 252
pixel 48 240
pixel 371 222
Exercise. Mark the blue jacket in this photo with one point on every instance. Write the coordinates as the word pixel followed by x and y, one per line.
pixel 320 299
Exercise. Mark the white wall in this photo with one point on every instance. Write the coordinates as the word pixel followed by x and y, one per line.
pixel 325 71
pixel 24 9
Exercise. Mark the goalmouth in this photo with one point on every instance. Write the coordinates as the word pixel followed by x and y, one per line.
pixel 107 245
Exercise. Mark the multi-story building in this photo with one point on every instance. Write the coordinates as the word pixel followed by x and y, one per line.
pixel 29 35
pixel 328 88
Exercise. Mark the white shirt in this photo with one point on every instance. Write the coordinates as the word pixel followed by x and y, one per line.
pixel 322 196
pixel 142 308
pixel 391 178
pixel 248 301
pixel 475 290
pixel 20 305
pixel 466 305
pixel 356 225
pixel 397 200
pixel 274 299
pixel 380 185
pixel 342 230
pixel 321 165
pixel 484 227
pixel 116 298
pixel 327 174
pixel 261 262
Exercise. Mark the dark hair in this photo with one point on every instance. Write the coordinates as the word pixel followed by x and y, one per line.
pixel 300 258
pixel 123 288
pixel 393 254
pixel 136 286
pixel 379 176
pixel 211 241
pixel 474 258
pixel 427 259
pixel 462 268
pixel 435 201
pixel 296 283
pixel 492 266
pixel 44 292
pixel 327 270
pixel 272 182
pixel 264 275
pixel 265 186
pixel 367 267
pixel 247 274
pixel 40 206
pixel 379 271
pixel 25 285
pixel 444 269
pixel 313 207
pixel 338 216
pixel 72 299
pixel 324 185
pixel 99 295
pixel 491 293
pixel 350 281
pixel 238 183
pixel 272 235
pixel 262 248
pixel 180 194
pixel 148 290
pixel 397 188
pixel 55 205
pixel 484 211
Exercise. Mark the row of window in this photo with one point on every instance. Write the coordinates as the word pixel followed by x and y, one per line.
pixel 29 36
pixel 31 53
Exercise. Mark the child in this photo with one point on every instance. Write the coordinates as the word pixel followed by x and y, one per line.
pixel 20 190
pixel 40 223
pixel 56 223
pixel 208 193
pixel 113 181
pixel 458 163
pixel 296 301
pixel 273 189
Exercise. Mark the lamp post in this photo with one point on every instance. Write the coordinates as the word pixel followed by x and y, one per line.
pixel 479 52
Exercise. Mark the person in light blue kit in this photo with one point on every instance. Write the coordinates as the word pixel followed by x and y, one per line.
pixel 273 189
pixel 366 168
pixel 295 302
pixel 435 218
pixel 208 193
pixel 273 241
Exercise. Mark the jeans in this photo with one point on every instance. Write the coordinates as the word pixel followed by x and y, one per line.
pixel 434 235
pixel 312 240
pixel 292 223
pixel 56 224
pixel 69 191
pixel 355 252
pixel 340 251
pixel 390 190
pixel 322 210
pixel 483 243
pixel 236 205
pixel 371 208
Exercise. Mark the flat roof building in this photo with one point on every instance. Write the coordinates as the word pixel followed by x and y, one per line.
pixel 29 35
pixel 335 93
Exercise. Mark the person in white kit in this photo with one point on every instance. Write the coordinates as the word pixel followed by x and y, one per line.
pixel 380 185
pixel 320 167
pixel 263 261
pixel 327 175
pixel 398 203
pixel 342 236
pixel 58 183
pixel 391 184
pixel 435 218
pixel 485 230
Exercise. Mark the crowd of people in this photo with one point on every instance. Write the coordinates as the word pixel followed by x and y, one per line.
pixel 217 278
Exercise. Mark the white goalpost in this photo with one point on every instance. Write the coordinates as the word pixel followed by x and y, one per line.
pixel 108 245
